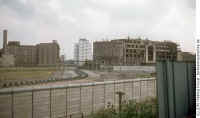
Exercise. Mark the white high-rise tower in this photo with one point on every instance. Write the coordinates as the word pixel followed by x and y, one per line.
pixel 82 51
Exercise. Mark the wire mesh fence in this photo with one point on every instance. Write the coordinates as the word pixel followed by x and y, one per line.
pixel 70 101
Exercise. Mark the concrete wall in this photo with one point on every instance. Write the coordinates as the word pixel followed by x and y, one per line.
pixel 176 89
pixel 134 68
pixel 61 101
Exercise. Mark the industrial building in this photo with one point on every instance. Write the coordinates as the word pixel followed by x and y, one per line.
pixel 82 51
pixel 43 54
pixel 133 51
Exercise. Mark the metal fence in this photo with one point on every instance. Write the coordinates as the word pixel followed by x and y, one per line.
pixel 176 89
pixel 69 101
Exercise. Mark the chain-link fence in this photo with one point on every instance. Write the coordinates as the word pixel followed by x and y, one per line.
pixel 69 101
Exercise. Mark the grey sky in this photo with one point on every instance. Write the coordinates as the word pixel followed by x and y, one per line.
pixel 35 21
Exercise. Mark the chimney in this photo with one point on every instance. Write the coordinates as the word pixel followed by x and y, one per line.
pixel 4 40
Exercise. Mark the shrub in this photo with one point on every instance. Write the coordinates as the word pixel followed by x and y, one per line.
pixel 130 109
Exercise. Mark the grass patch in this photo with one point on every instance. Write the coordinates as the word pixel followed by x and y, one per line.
pixel 144 75
pixel 28 69
pixel 26 73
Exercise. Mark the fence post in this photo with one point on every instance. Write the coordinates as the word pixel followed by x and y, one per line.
pixel 114 92
pixel 104 95
pixel 132 89
pixel 82 115
pixel 123 85
pixel 92 98
pixel 120 94
pixel 147 89
pixel 32 104
pixel 155 88
pixel 80 100
pixel 150 88
pixel 140 90
pixel 50 102
pixel 12 104
pixel 66 102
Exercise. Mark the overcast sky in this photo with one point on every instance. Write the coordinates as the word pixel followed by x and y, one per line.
pixel 36 21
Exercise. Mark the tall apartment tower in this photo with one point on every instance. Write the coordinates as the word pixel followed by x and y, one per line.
pixel 82 51
pixel 4 41
pixel 76 53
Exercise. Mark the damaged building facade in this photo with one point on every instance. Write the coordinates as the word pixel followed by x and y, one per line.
pixel 43 54
pixel 133 51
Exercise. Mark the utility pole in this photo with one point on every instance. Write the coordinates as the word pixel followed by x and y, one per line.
pixel 96 65
pixel 63 70
pixel 120 94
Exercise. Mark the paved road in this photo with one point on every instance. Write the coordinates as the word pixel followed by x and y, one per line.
pixel 66 74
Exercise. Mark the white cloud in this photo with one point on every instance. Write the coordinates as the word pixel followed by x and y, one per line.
pixel 177 27
pixel 23 1
pixel 95 21
pixel 35 21
pixel 71 19
pixel 55 5
pixel 120 3
pixel 198 19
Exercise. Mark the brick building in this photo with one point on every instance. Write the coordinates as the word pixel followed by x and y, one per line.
pixel 48 53
pixel 133 51
pixel 31 55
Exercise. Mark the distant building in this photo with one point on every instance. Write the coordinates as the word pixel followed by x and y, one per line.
pixel 25 55
pixel 133 51
pixel 62 58
pixel 31 55
pixel 4 41
pixel 1 53
pixel 82 51
pixel 7 60
pixel 48 53
pixel 186 56
pixel 76 53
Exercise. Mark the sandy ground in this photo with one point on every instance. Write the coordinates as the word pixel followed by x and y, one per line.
pixel 93 76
